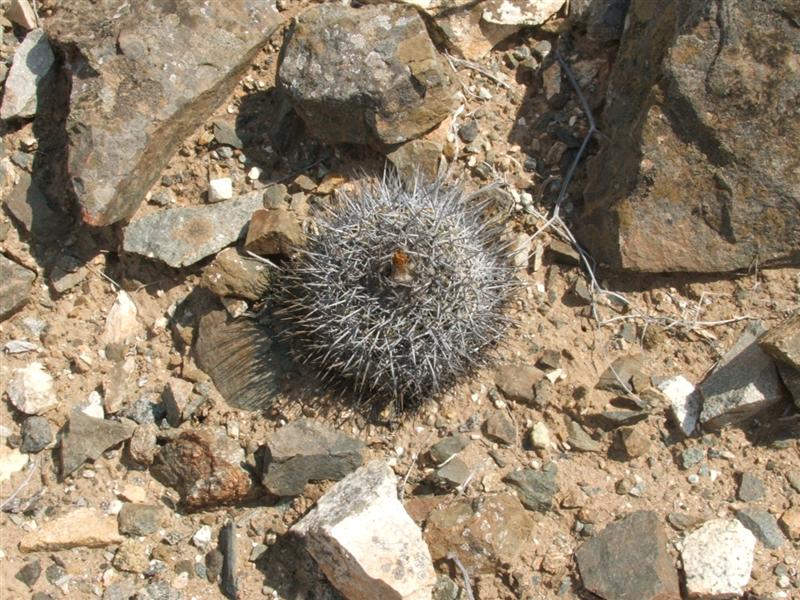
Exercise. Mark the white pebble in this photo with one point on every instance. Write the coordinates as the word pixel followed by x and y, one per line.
pixel 254 173
pixel 220 189
pixel 202 537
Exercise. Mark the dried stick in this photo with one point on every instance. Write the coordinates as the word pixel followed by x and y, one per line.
pixel 464 574
pixel 21 486
pixel 454 61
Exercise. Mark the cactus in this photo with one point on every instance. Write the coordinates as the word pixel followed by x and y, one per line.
pixel 400 293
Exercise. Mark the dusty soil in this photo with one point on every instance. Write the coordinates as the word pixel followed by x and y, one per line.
pixel 547 316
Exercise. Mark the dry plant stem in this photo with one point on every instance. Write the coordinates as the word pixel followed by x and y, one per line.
pixel 557 224
pixel 464 574
pixel 478 69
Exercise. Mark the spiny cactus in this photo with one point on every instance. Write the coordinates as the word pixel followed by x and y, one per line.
pixel 400 292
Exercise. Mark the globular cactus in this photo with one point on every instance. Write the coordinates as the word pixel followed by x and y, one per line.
pixel 400 293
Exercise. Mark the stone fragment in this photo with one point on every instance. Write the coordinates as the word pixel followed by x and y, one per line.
pixel 782 342
pixel 21 12
pixel 232 274
pixel 304 451
pixel 452 475
pixel 669 101
pixel 15 286
pixel 139 519
pixel 131 556
pixel 80 528
pixel 142 446
pixel 692 456
pixel 158 590
pixel 447 447
pixel 225 134
pixel 579 440
pixel 67 272
pixel 540 436
pixel 11 461
pixel 182 236
pixel 122 326
pixel 36 434
pixel 717 559
pixel 521 12
pixel 365 542
pixel 484 535
pixel 684 402
pixel 790 523
pixel 603 21
pixel 27 204
pixel 536 488
pixel 516 382
pixel 177 399
pixel 751 488
pixel 136 93
pixel 791 379
pixel 220 189
pixel 274 231
pixel 500 428
pixel 744 383
pixel 633 441
pixel 203 467
pixel 377 78
pixel 763 525
pixel 629 560
pixel 120 386
pixel 32 389
pixel 621 375
pixel 29 573
pixel 32 61
pixel 415 158
pixel 86 438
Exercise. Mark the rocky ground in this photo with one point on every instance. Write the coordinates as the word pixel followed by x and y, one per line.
pixel 572 460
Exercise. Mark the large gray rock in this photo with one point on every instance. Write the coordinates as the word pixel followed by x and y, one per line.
pixel 744 383
pixel 32 61
pixel 145 74
pixel 183 236
pixel 364 541
pixel 629 560
pixel 15 286
pixel 701 113
pixel 304 451
pixel 366 76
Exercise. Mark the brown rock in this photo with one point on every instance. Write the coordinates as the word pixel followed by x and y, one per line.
pixel 699 172
pixel 83 527
pixel 516 382
pixel 203 468
pixel 15 286
pixel 232 274
pixel 273 231
pixel 783 342
pixel 484 534
pixel 633 441
pixel 790 523
pixel 144 76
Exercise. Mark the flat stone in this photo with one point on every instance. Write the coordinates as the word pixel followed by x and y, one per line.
pixel 21 12
pixel 32 389
pixel 80 528
pixel 29 573
pixel 516 382
pixel 717 559
pixel 744 383
pixel 225 134
pixel 304 451
pixel 136 93
pixel 579 440
pixel 233 274
pixel 29 206
pixel 131 556
pixel 32 61
pixel 120 386
pixel 669 100
pixel 763 525
pixel 500 428
pixel 536 488
pixel 67 272
pixel 782 342
pixel 484 535
pixel 182 236
pixel 361 560
pixel 692 456
pixel 36 434
pixel 452 475
pixel 140 519
pixel 629 560
pixel 684 402
pixel 447 447
pixel 790 523
pixel 274 231
pixel 203 467
pixel 621 375
pixel 122 326
pixel 86 438
pixel 751 488
pixel 15 286
pixel 377 77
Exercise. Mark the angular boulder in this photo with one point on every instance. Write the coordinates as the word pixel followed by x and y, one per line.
pixel 368 75
pixel 145 74
pixel 700 171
